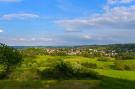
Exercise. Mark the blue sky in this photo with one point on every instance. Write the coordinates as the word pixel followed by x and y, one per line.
pixel 67 22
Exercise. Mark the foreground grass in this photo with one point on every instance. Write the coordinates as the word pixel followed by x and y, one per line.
pixel 50 84
pixel 113 79
pixel 127 75
pixel 105 83
pixel 114 83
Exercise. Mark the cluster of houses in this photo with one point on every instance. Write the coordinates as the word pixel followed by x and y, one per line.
pixel 75 51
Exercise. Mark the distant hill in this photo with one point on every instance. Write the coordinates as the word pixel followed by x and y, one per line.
pixel 80 46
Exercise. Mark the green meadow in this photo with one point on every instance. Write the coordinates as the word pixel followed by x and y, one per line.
pixel 25 76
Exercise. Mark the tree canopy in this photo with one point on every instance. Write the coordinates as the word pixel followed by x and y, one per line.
pixel 9 57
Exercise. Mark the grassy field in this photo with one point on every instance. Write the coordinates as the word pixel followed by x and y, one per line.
pixel 50 84
pixel 112 79
pixel 127 75
pixel 77 59
pixel 105 83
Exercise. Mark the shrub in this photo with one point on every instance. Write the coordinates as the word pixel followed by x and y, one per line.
pixel 129 67
pixel 105 59
pixel 89 65
pixel 120 65
pixel 86 73
pixel 105 66
pixel 67 70
pixel 126 56
pixel 25 74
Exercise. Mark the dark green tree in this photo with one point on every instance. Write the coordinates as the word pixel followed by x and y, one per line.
pixel 9 58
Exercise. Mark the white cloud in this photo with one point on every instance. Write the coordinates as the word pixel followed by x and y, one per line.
pixel 87 37
pixel 1 30
pixel 45 39
pixel 33 39
pixel 21 16
pixel 112 2
pixel 22 39
pixel 114 18
pixel 10 0
pixel 72 39
pixel 116 24
pixel 126 1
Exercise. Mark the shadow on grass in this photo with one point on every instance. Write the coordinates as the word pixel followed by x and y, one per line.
pixel 114 83
pixel 104 83
pixel 49 84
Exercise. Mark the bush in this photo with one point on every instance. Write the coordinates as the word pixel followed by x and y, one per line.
pixel 25 74
pixel 126 56
pixel 105 66
pixel 129 67
pixel 105 59
pixel 89 65
pixel 86 73
pixel 120 65
pixel 63 70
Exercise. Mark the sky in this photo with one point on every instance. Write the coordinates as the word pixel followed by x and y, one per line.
pixel 66 22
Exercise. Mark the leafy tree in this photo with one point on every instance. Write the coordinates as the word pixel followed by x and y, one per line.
pixel 33 52
pixel 58 53
pixel 9 58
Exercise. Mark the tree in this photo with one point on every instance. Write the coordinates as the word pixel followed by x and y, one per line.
pixel 9 58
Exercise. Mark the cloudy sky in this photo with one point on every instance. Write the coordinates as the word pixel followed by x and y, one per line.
pixel 67 22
